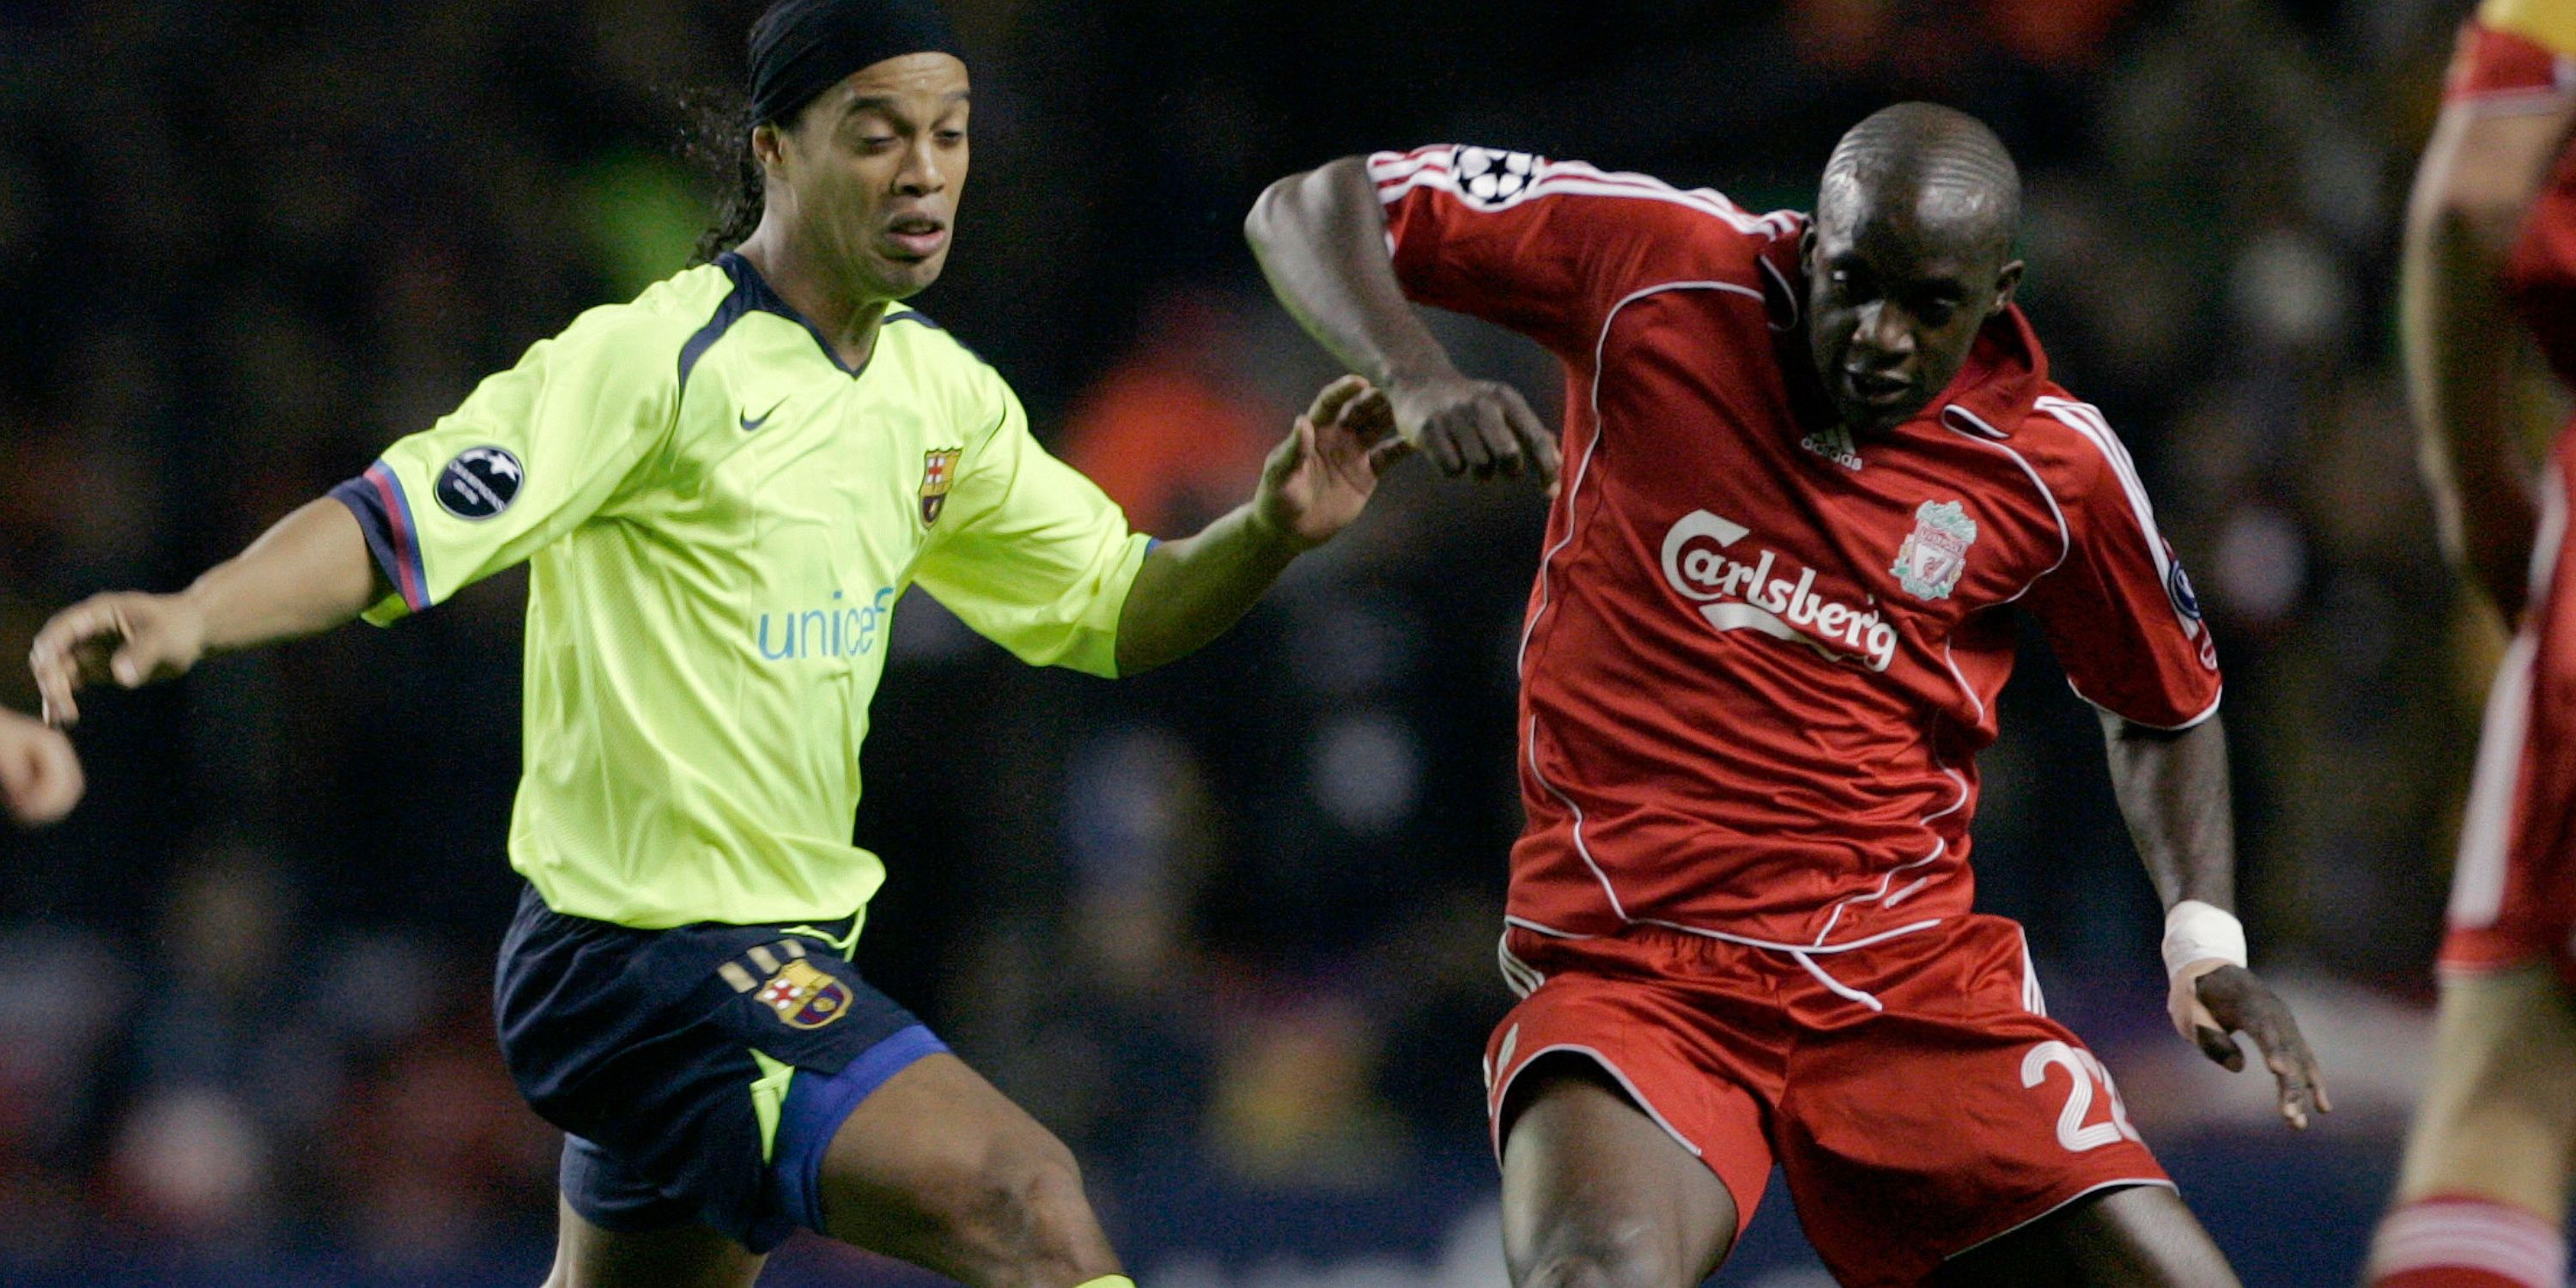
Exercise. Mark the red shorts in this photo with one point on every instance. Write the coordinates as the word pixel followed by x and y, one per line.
pixel 2513 892
pixel 1953 1113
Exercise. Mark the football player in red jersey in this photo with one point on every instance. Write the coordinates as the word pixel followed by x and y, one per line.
pixel 1808 463
pixel 40 778
pixel 2481 1200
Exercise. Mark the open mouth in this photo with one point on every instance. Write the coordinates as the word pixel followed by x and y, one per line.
pixel 917 236
pixel 1877 389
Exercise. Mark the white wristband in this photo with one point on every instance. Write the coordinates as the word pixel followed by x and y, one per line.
pixel 2199 932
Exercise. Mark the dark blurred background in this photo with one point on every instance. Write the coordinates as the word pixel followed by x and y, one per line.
pixel 1228 928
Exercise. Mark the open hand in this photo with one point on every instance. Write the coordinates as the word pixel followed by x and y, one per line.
pixel 1480 425
pixel 1320 477
pixel 2229 1000
pixel 40 778
pixel 133 639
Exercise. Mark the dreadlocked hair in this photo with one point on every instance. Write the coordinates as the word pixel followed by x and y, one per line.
pixel 716 139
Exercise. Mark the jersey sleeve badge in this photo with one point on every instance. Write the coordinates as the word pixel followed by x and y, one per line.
pixel 479 482
pixel 1494 178
pixel 1936 552
pixel 2178 586
pixel 938 474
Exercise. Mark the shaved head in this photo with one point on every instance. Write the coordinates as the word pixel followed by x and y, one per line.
pixel 1909 255
pixel 1941 164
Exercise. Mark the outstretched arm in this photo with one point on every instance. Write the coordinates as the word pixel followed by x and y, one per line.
pixel 1320 237
pixel 1315 483
pixel 306 575
pixel 2468 370
pixel 2172 788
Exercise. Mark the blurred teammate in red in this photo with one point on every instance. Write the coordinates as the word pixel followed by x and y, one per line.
pixel 2491 242
pixel 1807 465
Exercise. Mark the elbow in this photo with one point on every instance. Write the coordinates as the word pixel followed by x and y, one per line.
pixel 1303 202
pixel 1269 211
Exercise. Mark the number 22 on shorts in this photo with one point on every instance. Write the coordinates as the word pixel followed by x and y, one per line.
pixel 2082 1071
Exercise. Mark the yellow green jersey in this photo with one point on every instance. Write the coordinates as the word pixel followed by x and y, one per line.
pixel 719 520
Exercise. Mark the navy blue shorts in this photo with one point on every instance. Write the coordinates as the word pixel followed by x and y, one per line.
pixel 698 1072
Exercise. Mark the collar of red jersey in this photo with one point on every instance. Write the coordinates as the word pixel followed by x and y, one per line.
pixel 2002 380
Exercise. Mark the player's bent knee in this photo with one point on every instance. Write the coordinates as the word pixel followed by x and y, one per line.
pixel 1024 1207
pixel 1032 1203
pixel 1601 1249
pixel 1601 1263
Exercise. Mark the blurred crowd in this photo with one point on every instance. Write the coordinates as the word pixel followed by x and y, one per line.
pixel 1227 927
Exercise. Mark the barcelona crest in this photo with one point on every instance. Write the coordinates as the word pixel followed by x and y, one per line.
pixel 805 997
pixel 938 472
pixel 1929 563
pixel 802 996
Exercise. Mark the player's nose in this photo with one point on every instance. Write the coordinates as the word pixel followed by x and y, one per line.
pixel 1883 332
pixel 921 174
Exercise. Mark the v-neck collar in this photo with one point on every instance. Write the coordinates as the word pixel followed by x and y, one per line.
pixel 760 295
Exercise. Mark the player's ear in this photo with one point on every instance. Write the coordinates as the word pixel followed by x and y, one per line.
pixel 1807 251
pixel 2007 280
pixel 769 147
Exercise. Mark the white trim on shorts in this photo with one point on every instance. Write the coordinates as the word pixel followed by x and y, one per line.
pixel 1503 1093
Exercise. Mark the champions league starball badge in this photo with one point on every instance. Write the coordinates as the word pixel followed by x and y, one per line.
pixel 1492 178
pixel 1936 552
pixel 480 482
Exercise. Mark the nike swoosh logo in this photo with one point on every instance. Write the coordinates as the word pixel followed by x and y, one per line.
pixel 748 424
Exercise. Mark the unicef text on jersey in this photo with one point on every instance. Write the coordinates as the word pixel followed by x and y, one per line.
pixel 838 629
pixel 1737 595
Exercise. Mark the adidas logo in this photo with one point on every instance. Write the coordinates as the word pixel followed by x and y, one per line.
pixel 1834 443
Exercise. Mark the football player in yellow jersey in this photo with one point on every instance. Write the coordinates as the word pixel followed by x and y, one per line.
pixel 723 489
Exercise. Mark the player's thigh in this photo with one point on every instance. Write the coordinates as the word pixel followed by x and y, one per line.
pixel 2499 1118
pixel 2141 1236
pixel 939 1168
pixel 685 1256
pixel 1596 1195
pixel 1956 1115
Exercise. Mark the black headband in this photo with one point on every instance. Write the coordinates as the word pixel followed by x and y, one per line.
pixel 802 47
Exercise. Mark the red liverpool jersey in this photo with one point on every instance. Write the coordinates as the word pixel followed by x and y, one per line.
pixel 1761 656
pixel 2502 73
pixel 2513 893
